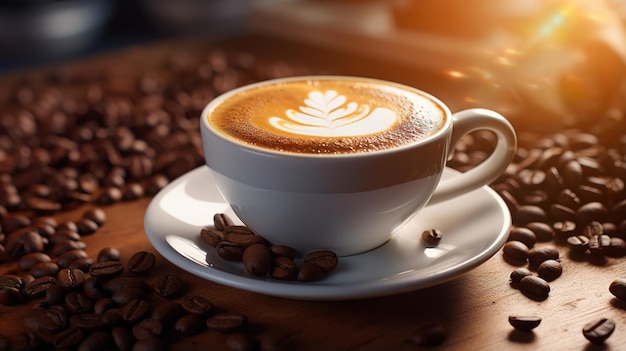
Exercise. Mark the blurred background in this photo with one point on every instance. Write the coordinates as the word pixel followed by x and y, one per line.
pixel 556 57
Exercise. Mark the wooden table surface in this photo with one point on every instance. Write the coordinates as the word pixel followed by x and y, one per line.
pixel 473 308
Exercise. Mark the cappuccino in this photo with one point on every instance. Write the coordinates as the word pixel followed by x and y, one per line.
pixel 327 116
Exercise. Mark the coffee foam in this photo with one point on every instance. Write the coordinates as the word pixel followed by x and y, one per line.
pixel 327 116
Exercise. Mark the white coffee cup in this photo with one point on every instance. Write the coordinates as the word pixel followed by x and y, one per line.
pixel 346 202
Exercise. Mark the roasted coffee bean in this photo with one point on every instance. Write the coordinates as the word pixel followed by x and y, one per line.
pixel 515 250
pixel 65 246
pixel 168 285
pixel 534 287
pixel 599 244
pixel 147 328
pixel 86 226
pixel 560 212
pixel 168 312
pixel 141 262
pixel 543 231
pixel 599 330
pixel 55 295
pixel 618 288
pixel 549 270
pixel 39 286
pixel 104 304
pixel 325 259
pixel 135 310
pixel 524 235
pixel 578 243
pixel 616 248
pixel 592 211
pixel 283 251
pixel 257 260
pixel 525 323
pixel 68 257
pixel 89 322
pixel 241 342
pixel 94 288
pixel 83 264
pixel 594 228
pixel 229 251
pixel 68 338
pixel 126 295
pixel 568 198
pixel 26 262
pixel 518 274
pixel 63 235
pixel 70 278
pixel 572 173
pixel 564 229
pixel 284 268
pixel 78 302
pixel 100 340
pixel 118 283
pixel 124 339
pixel 9 296
pixel 243 239
pixel 221 221
pixel 97 215
pixel 432 237
pixel 51 320
pixel 108 254
pixel 539 254
pixel 529 213
pixel 430 335
pixel 196 304
pixel 150 344
pixel 106 270
pixel 227 322
pixel 190 324
pixel 11 281
pixel 310 272
pixel 109 195
pixel 212 236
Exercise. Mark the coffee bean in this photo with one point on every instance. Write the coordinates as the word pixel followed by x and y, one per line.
pixel 168 312
pixel 126 295
pixel 599 330
pixel 310 272
pixel 68 338
pixel 524 235
pixel 150 344
pixel 190 324
pixel 9 296
pixel 78 302
pixel 549 270
pixel 26 262
pixel 283 251
pixel 89 322
pixel 39 286
pixel 108 254
pixel 168 285
pixel 124 339
pixel 82 264
pixel 516 250
pixel 325 259
pixel 578 243
pixel 564 229
pixel 70 278
pixel 147 328
pixel 591 211
pixel 221 221
pixel 104 304
pixel 430 335
pixel 599 244
pixel 229 251
pixel 241 342
pixel 616 248
pixel 618 288
pixel 118 283
pixel 97 215
pixel 135 310
pixel 284 268
pixel 212 236
pixel 106 270
pixel 539 254
pixel 525 323
pixel 100 340
pixel 68 257
pixel 529 213
pixel 534 287
pixel 543 231
pixel 196 304
pixel 94 288
pixel 518 274
pixel 227 322
pixel 593 228
pixel 141 262
pixel 257 260
pixel 431 237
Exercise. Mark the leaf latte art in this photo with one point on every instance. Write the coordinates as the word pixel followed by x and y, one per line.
pixel 342 115
pixel 329 114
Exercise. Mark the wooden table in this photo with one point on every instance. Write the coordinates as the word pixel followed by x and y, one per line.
pixel 473 308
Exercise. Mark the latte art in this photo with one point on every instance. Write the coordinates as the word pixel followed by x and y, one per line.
pixel 326 115
pixel 329 114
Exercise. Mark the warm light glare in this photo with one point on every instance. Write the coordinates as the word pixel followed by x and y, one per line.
pixel 456 74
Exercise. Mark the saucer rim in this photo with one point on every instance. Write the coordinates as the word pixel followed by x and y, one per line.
pixel 320 291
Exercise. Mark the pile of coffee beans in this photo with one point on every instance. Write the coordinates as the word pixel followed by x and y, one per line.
pixel 260 257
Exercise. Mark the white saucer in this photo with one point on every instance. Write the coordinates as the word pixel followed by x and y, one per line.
pixel 474 228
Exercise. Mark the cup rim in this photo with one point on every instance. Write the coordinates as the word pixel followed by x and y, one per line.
pixel 441 132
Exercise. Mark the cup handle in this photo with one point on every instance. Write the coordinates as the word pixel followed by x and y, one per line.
pixel 490 169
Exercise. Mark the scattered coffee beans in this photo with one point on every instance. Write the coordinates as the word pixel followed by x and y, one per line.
pixel 599 330
pixel 618 288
